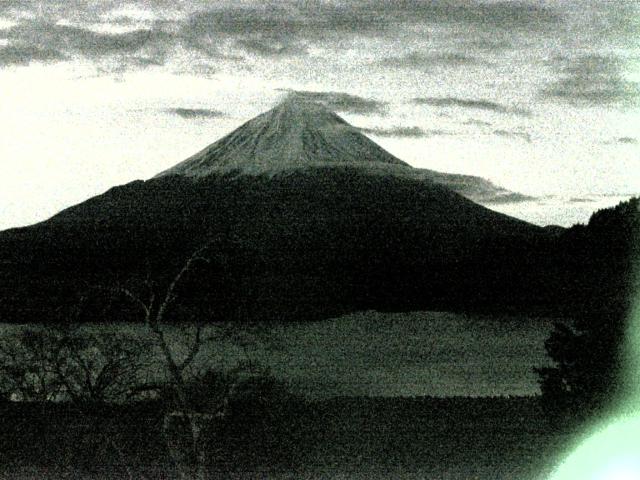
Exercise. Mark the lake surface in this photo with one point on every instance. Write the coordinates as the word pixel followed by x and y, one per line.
pixel 382 354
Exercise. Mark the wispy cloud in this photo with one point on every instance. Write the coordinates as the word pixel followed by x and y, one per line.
pixel 190 113
pixel 622 141
pixel 593 80
pixel 305 20
pixel 271 47
pixel 39 41
pixel 342 102
pixel 420 60
pixel 507 15
pixel 206 31
pixel 25 54
pixel 615 23
pixel 469 103
pixel 247 20
pixel 402 132
pixel 513 134
pixel 476 122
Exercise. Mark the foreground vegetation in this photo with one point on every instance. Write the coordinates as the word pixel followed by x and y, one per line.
pixel 82 413
pixel 271 434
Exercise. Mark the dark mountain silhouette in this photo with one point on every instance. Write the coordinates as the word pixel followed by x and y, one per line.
pixel 297 226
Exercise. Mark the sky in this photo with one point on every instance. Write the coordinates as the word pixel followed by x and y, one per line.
pixel 540 97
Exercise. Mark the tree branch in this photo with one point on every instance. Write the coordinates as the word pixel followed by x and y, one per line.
pixel 195 348
pixel 170 295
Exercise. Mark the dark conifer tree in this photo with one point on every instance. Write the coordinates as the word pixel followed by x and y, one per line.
pixel 589 352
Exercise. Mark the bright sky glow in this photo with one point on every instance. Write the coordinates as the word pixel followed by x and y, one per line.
pixel 612 450
pixel 611 453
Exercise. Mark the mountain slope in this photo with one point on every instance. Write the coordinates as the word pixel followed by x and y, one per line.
pixel 292 134
pixel 306 244
pixel 312 232
pixel 298 134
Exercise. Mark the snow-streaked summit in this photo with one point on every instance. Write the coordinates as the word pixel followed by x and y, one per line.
pixel 295 133
pixel 298 134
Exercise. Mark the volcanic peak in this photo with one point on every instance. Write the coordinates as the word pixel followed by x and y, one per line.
pixel 300 134
pixel 295 133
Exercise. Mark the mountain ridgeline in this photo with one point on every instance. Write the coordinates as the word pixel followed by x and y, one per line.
pixel 298 134
pixel 302 217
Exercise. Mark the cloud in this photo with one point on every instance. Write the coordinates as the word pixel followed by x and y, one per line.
pixel 8 5
pixel 615 23
pixel 371 15
pixel 469 103
pixel 258 28
pixel 350 18
pixel 342 102
pixel 190 113
pixel 255 30
pixel 276 29
pixel 245 21
pixel 476 122
pixel 25 54
pixel 273 29
pixel 36 41
pixel 622 141
pixel 271 48
pixel 513 134
pixel 427 60
pixel 593 80
pixel 494 41
pixel 291 19
pixel 129 14
pixel 506 15
pixel 296 23
pixel 406 132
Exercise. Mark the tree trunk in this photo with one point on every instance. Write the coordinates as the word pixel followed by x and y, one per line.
pixel 183 434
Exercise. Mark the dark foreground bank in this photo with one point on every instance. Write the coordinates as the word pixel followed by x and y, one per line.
pixel 356 437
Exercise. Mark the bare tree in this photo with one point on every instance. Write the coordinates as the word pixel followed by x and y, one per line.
pixel 190 459
pixel 99 368
pixel 73 363
pixel 27 365
pixel 90 367
pixel 53 362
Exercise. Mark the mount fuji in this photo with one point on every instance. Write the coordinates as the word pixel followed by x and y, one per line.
pixel 299 133
pixel 304 217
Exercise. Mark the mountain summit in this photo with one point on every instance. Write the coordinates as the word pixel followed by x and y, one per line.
pixel 295 133
pixel 299 134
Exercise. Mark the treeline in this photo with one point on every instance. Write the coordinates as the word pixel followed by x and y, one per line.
pixel 142 439
pixel 588 348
